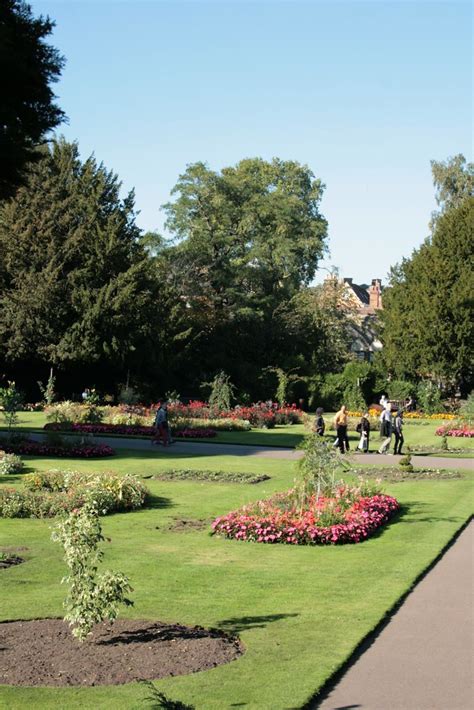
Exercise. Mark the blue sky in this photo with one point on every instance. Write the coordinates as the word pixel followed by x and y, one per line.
pixel 365 93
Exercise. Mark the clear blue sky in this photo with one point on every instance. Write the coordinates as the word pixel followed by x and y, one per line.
pixel 365 93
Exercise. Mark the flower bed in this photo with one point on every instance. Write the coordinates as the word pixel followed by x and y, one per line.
pixel 50 493
pixel 37 448
pixel 457 431
pixel 345 518
pixel 130 430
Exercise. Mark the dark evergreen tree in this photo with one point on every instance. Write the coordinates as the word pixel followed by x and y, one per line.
pixel 427 318
pixel 77 285
pixel 28 66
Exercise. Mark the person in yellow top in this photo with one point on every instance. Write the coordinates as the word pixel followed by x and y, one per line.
pixel 340 421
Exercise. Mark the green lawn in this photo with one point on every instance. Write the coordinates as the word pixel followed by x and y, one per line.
pixel 300 611
pixel 418 433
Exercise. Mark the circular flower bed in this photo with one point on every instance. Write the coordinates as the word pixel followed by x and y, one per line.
pixel 46 494
pixel 347 517
pixel 80 451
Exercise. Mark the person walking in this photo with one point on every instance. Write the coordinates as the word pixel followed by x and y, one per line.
pixel 166 424
pixel 319 423
pixel 160 430
pixel 363 428
pixel 386 429
pixel 340 421
pixel 398 431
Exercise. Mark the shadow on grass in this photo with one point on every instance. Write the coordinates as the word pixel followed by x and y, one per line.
pixel 236 624
pixel 154 502
pixel 323 693
pixel 418 508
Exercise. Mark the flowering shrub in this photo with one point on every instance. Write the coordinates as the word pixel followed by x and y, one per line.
pixel 185 433
pixel 194 433
pixel 461 430
pixel 348 517
pixel 10 464
pixel 80 451
pixel 45 495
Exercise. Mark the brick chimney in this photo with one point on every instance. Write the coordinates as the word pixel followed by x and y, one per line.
pixel 375 294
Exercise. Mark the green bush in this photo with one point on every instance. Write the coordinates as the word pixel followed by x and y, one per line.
pixel 46 494
pixel 10 464
pixel 399 390
pixel 429 398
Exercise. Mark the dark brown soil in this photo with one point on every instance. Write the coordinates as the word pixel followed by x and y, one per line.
pixel 183 524
pixel 44 652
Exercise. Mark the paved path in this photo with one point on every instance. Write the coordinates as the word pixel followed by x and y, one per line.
pixel 193 448
pixel 422 659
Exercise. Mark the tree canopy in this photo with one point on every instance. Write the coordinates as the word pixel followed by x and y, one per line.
pixel 28 66
pixel 76 285
pixel 427 318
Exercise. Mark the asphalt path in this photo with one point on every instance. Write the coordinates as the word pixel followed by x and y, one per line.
pixel 423 658
pixel 193 448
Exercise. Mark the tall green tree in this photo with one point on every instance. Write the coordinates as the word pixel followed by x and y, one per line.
pixel 247 239
pixel 76 285
pixel 427 318
pixel 28 67
pixel 454 181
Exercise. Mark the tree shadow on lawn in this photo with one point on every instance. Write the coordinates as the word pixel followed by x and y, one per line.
pixel 415 509
pixel 236 624
pixel 153 502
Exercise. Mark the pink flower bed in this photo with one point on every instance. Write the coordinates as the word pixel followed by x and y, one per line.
pixel 266 522
pixel 36 448
pixel 130 430
pixel 464 431
pixel 259 415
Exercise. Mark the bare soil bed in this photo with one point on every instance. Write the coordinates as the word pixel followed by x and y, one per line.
pixel 44 652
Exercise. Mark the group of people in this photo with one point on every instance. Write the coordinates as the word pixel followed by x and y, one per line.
pixel 161 425
pixel 391 424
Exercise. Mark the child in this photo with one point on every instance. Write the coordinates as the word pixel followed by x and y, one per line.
pixel 319 423
pixel 363 428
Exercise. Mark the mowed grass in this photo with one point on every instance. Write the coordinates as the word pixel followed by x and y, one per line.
pixel 300 611
pixel 417 433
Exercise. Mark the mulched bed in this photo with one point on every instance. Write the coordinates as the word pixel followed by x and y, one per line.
pixel 185 524
pixel 398 475
pixel 8 557
pixel 44 652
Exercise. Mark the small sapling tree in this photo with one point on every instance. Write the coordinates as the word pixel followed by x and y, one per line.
pixel 92 597
pixel 222 391
pixel 318 467
pixel 10 401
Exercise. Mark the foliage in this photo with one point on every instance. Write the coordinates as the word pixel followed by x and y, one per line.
pixel 454 181
pixel 427 325
pixel 221 392
pixel 48 391
pixel 467 407
pixel 92 598
pixel 81 292
pixel 197 474
pixel 429 397
pixel 28 66
pixel 128 395
pixel 63 412
pixel 10 402
pixel 353 397
pixel 46 494
pixel 399 390
pixel 10 464
pixel 318 469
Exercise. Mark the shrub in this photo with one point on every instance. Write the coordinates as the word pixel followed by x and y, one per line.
pixel 429 397
pixel 467 407
pixel 399 390
pixel 10 402
pixel 221 392
pixel 10 464
pixel 92 598
pixel 63 412
pixel 47 494
pixel 318 468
